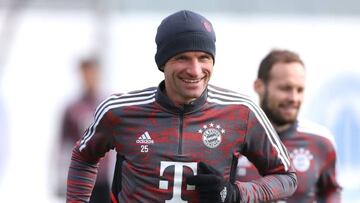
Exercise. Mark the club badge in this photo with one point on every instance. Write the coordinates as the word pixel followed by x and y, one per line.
pixel 301 159
pixel 211 135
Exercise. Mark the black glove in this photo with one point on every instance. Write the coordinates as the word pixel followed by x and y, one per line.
pixel 212 187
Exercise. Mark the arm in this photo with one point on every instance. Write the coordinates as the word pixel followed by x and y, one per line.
pixel 264 148
pixel 69 134
pixel 81 179
pixel 84 161
pixel 270 187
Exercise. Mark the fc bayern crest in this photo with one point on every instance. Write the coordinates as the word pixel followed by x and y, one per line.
pixel 301 159
pixel 211 135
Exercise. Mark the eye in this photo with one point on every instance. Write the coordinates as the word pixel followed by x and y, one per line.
pixel 285 88
pixel 181 57
pixel 205 58
pixel 300 90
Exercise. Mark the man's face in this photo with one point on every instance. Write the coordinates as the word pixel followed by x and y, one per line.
pixel 284 93
pixel 91 77
pixel 187 75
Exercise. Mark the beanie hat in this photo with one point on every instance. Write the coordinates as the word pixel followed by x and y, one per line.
pixel 183 31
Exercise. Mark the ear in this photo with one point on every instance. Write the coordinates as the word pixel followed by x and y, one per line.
pixel 259 87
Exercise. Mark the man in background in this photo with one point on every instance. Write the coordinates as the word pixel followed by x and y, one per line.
pixel 77 116
pixel 280 85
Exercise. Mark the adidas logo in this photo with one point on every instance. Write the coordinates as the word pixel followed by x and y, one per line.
pixel 145 139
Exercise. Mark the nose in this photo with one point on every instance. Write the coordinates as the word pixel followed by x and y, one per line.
pixel 194 67
pixel 295 96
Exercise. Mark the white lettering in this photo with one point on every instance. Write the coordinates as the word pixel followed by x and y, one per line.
pixel 145 141
pixel 178 176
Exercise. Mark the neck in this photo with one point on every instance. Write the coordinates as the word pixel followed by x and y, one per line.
pixel 281 128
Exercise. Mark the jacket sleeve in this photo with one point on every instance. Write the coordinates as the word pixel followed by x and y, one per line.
pixel 81 179
pixel 87 153
pixel 266 151
pixel 268 188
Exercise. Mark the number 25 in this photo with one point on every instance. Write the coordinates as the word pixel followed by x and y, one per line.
pixel 144 148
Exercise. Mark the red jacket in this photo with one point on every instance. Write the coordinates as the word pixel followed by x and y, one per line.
pixel 161 144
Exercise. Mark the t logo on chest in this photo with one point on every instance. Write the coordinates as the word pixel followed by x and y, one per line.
pixel 178 176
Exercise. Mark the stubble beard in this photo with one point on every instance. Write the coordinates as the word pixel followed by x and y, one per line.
pixel 274 116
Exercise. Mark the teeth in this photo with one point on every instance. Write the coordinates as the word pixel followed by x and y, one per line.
pixel 190 81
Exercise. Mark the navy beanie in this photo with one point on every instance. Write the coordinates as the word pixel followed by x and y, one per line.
pixel 183 31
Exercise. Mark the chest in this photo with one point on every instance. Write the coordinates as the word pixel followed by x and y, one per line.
pixel 159 136
pixel 308 159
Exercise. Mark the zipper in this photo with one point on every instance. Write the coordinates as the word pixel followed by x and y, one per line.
pixel 181 121
pixel 234 163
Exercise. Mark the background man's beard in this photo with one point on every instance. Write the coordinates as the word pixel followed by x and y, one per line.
pixel 274 117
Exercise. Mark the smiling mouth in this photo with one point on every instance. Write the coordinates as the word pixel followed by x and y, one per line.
pixel 290 109
pixel 191 81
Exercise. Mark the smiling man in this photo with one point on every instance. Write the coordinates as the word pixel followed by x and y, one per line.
pixel 280 86
pixel 179 142
pixel 187 76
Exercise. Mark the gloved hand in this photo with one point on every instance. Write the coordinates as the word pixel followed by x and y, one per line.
pixel 212 187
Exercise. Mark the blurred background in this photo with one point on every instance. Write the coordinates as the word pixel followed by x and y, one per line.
pixel 42 42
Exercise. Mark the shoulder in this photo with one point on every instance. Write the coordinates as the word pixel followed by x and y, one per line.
pixel 132 98
pixel 222 96
pixel 315 129
pixel 225 96
pixel 72 107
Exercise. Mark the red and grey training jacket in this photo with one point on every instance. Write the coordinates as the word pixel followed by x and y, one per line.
pixel 160 144
pixel 313 155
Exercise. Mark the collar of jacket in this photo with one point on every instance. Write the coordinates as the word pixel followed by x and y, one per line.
pixel 290 132
pixel 165 102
